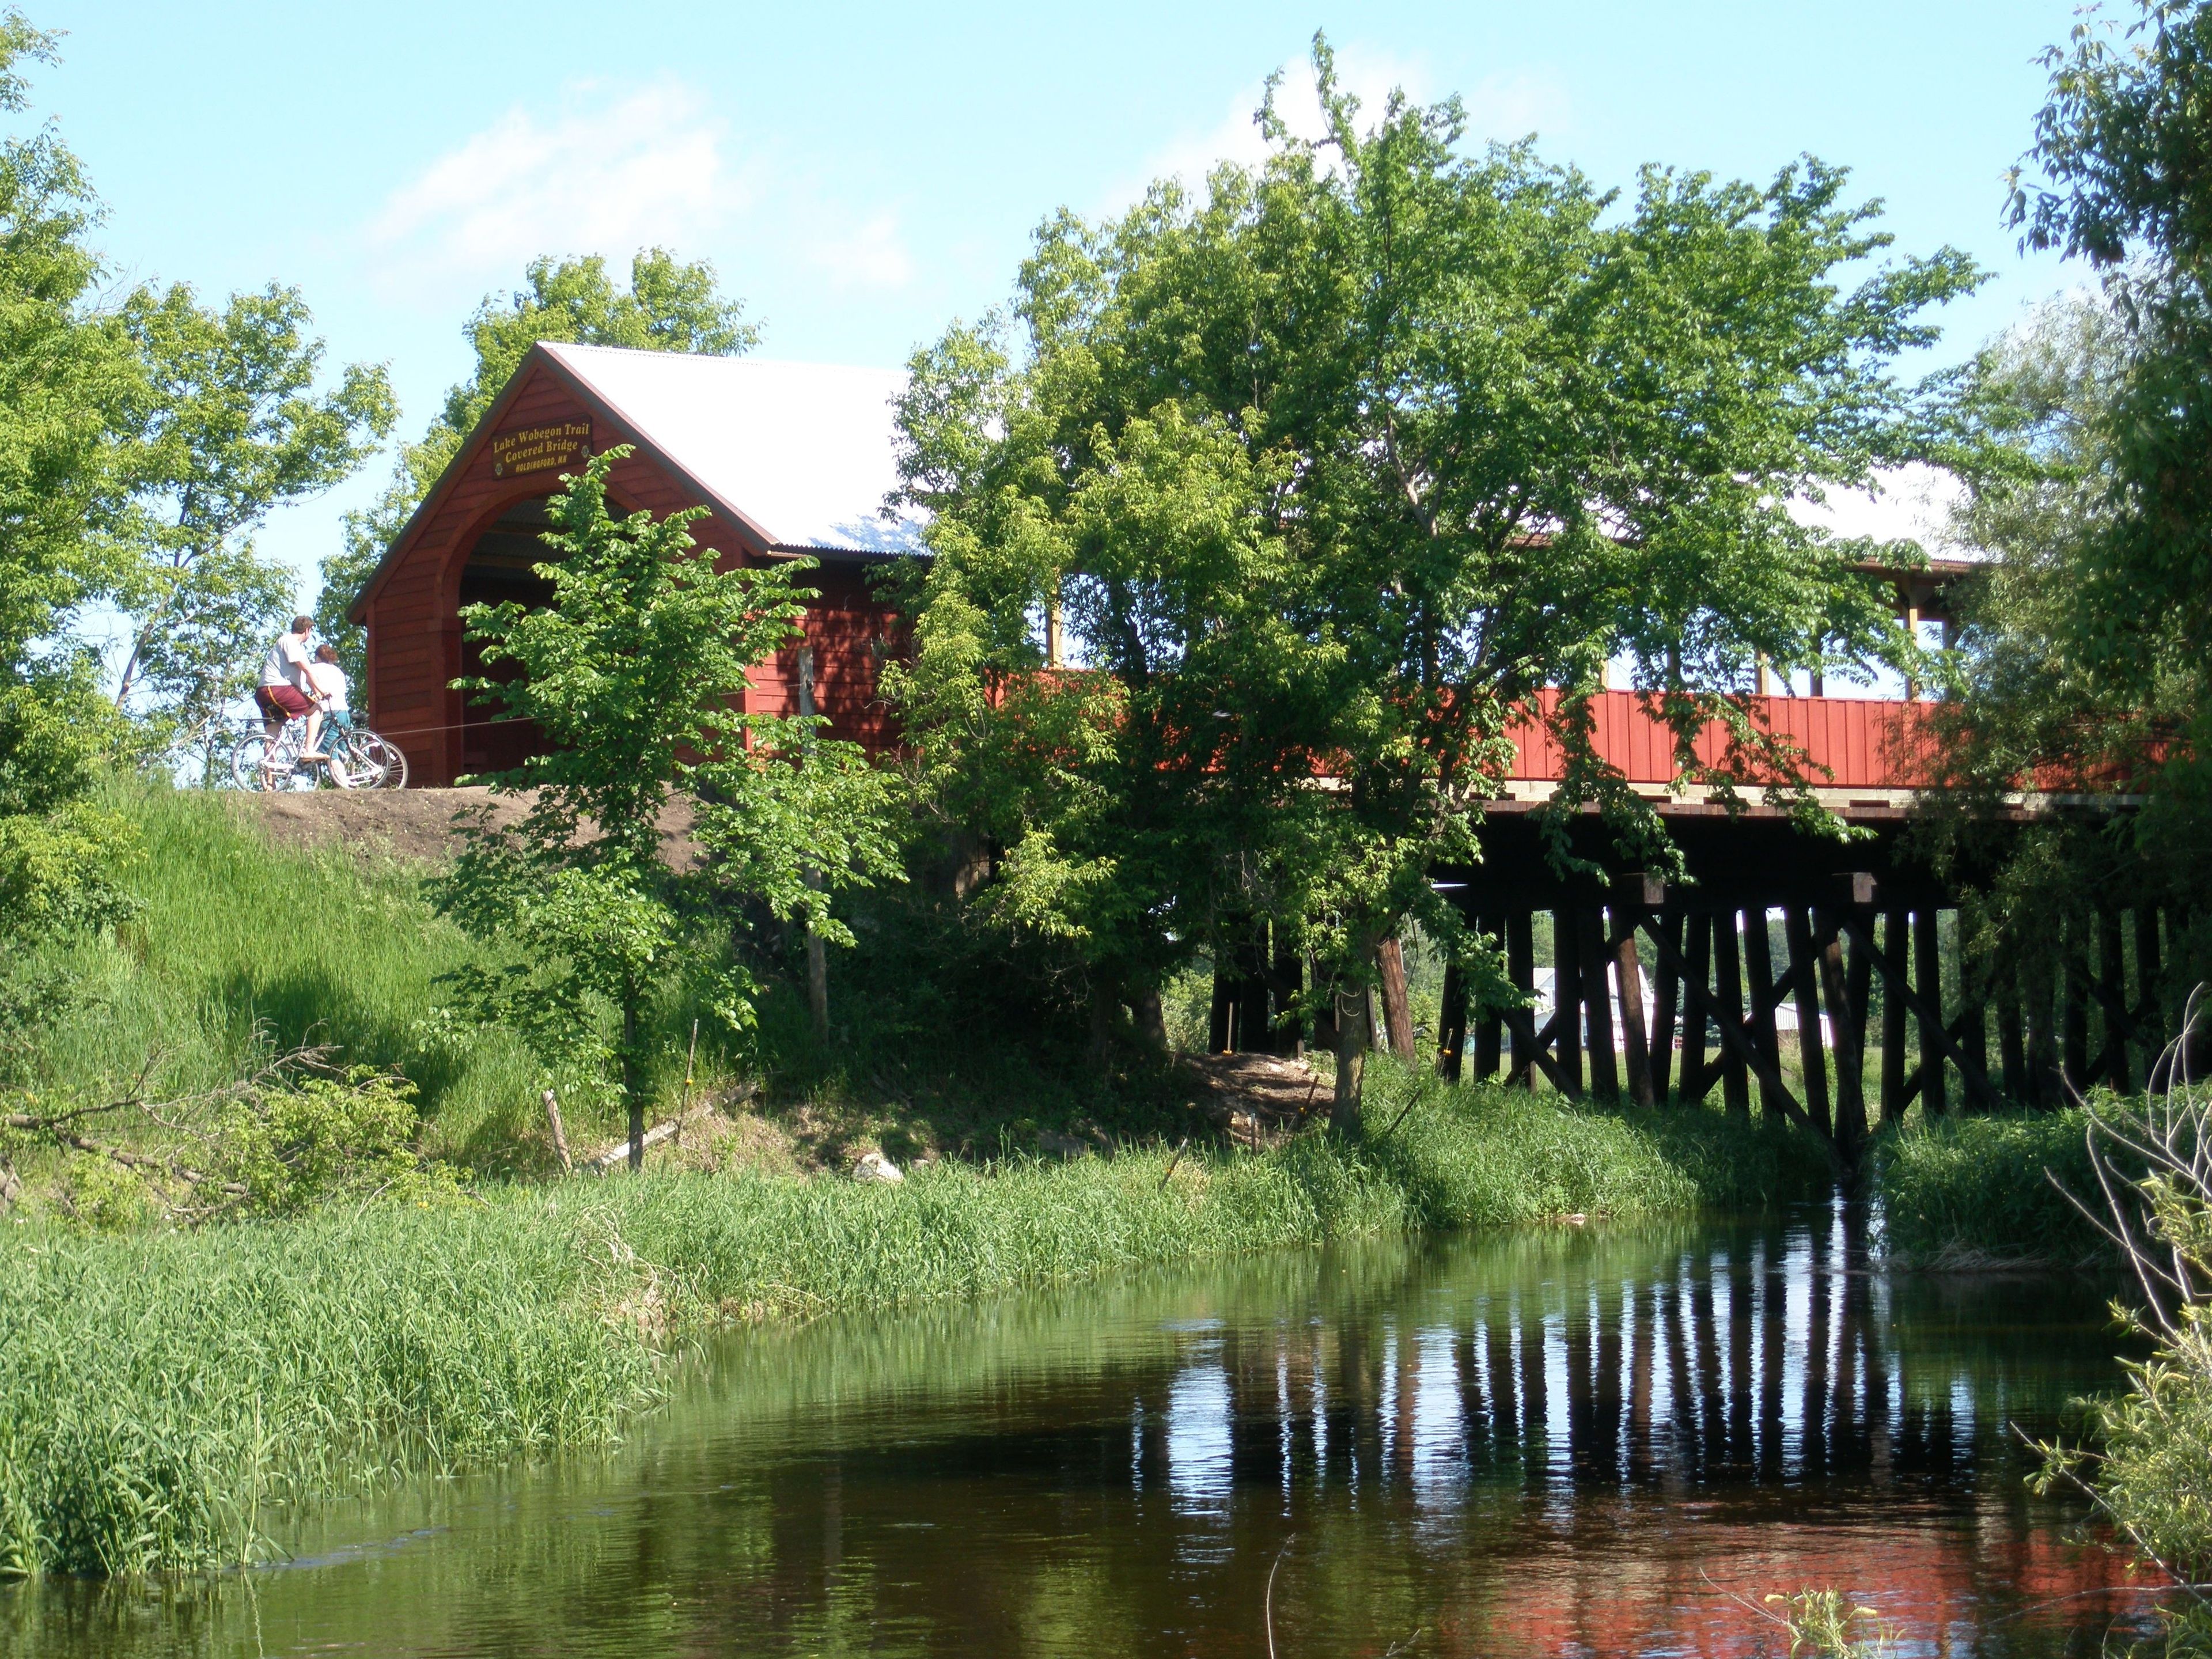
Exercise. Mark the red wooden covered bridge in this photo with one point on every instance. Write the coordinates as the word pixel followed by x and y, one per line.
pixel 795 459
pixel 791 460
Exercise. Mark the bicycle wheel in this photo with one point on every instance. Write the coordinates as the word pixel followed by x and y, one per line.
pixel 376 762
pixel 258 763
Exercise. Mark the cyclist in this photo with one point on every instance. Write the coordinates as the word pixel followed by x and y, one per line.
pixel 287 691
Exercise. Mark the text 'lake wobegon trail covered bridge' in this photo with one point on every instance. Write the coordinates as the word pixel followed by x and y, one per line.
pixel 795 459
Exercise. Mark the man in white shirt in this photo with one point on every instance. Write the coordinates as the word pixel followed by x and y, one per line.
pixel 287 690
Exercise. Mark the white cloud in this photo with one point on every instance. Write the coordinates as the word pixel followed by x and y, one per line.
pixel 610 172
pixel 870 253
pixel 607 174
pixel 1500 107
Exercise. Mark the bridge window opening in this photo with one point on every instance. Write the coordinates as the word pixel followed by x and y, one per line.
pixel 504 566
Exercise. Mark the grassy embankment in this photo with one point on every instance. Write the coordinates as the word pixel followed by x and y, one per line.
pixel 161 1394
pixel 165 1394
pixel 1971 1191
pixel 240 948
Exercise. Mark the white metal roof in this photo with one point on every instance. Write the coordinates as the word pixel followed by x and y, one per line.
pixel 801 450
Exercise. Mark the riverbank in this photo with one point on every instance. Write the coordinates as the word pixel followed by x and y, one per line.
pixel 166 1396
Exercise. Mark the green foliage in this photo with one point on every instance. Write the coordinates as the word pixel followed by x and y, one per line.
pixel 1331 471
pixel 671 305
pixel 162 1394
pixel 2032 700
pixel 228 427
pixel 61 860
pixel 628 671
pixel 2094 654
pixel 1825 1624
pixel 1969 1190
pixel 2147 1460
pixel 318 1140
pixel 67 375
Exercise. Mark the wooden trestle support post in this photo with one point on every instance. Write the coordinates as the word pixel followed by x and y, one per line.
pixel 1864 960
pixel 1647 974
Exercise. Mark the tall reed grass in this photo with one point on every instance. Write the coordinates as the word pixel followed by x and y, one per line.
pixel 164 1397
pixel 1974 1191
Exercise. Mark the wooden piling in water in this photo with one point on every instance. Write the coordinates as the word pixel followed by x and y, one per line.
pixel 1665 997
pixel 1451 1023
pixel 1845 1025
pixel 2150 1004
pixel 1697 967
pixel 1894 927
pixel 2112 967
pixel 1566 998
pixel 1797 928
pixel 1521 963
pixel 1487 1028
pixel 1597 1004
pixel 1628 971
pixel 1765 997
pixel 2072 971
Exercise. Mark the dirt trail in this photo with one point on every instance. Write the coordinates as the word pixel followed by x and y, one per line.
pixel 414 825
pixel 1259 1097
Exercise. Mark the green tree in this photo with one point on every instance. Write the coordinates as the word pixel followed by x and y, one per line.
pixel 671 305
pixel 630 672
pixel 67 376
pixel 228 427
pixel 1336 467
pixel 2094 643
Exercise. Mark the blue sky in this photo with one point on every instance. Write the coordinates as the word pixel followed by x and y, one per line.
pixel 862 174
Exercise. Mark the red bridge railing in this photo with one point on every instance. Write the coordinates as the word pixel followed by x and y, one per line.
pixel 1861 743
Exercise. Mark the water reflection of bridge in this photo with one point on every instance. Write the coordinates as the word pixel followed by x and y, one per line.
pixel 1763 1363
pixel 1548 1442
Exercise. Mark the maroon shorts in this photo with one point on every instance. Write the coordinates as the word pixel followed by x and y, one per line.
pixel 279 702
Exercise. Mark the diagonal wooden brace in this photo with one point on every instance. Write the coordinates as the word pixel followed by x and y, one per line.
pixel 1898 987
pixel 1733 1034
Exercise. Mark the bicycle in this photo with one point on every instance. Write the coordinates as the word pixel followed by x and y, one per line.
pixel 367 759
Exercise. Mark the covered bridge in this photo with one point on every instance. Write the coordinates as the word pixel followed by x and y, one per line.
pixel 791 460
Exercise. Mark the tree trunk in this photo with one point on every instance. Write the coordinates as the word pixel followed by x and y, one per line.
pixel 817 964
pixel 1397 1010
pixel 1151 1021
pixel 817 984
pixel 1351 1060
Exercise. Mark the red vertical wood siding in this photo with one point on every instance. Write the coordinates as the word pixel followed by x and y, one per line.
pixel 1850 742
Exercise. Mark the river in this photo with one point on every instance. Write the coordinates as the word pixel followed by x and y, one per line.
pixel 1600 1440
